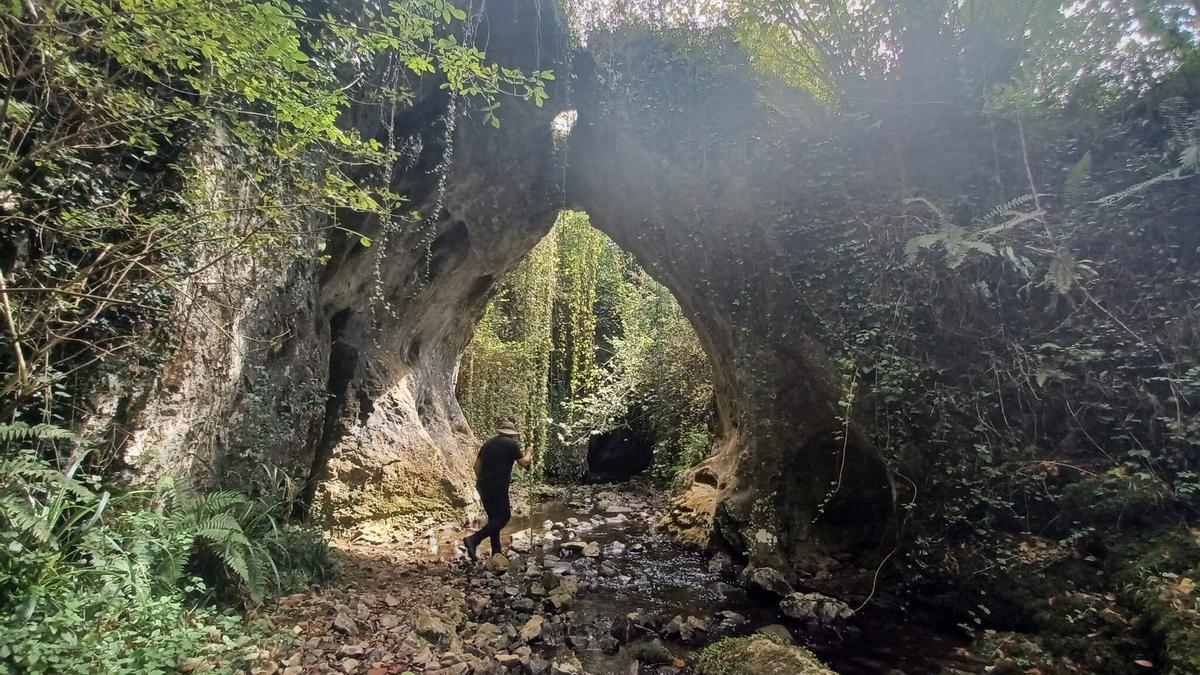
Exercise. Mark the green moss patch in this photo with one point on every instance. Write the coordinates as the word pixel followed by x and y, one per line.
pixel 758 655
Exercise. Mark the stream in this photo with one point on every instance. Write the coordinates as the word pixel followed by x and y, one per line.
pixel 642 574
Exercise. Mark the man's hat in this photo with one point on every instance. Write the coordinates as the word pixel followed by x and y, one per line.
pixel 508 427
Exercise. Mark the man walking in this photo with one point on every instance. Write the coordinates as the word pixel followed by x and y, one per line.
pixel 493 473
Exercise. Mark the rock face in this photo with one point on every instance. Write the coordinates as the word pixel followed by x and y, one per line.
pixel 694 193
pixel 399 313
pixel 360 374
pixel 781 452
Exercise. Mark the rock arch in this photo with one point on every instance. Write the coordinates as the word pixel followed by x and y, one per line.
pixel 789 479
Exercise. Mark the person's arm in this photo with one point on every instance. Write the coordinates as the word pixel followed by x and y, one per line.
pixel 526 461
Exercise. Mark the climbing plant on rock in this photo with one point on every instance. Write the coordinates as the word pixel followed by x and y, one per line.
pixel 579 340
pixel 146 142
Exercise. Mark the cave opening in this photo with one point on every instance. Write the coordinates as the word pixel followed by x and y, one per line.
pixel 594 359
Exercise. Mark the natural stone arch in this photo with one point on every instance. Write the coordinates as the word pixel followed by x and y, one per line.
pixel 397 315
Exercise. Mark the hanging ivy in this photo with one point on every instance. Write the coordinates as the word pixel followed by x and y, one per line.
pixel 579 340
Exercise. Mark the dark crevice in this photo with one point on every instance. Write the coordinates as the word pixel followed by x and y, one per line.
pixel 343 364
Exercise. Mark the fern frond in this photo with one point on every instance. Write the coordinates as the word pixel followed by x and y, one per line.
pixel 939 215
pixel 1006 208
pixel 1174 113
pixel 25 517
pixel 20 431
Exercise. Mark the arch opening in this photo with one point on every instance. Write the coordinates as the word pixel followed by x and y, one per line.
pixel 596 361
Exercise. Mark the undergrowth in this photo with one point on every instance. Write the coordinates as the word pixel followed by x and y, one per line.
pixel 97 577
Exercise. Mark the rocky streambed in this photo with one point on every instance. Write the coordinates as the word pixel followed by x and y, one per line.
pixel 585 586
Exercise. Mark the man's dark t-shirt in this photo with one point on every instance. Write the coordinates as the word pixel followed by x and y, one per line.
pixel 496 459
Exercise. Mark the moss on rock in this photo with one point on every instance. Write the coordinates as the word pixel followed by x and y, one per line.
pixel 758 655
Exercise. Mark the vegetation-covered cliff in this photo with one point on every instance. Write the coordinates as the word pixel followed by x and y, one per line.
pixel 942 261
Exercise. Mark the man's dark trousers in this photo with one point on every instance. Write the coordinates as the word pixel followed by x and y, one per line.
pixel 495 503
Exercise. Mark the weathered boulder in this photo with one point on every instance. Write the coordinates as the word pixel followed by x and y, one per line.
pixel 768 580
pixel 496 564
pixel 815 607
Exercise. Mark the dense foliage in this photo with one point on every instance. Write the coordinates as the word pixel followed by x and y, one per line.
pixel 95 576
pixel 580 340
pixel 1009 291
pixel 145 142
pixel 148 144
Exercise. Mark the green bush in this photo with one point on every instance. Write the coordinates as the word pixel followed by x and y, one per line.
pixel 95 579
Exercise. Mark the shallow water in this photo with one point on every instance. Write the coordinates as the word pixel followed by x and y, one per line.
pixel 665 579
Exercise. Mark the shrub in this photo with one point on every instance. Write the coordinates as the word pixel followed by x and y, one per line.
pixel 95 579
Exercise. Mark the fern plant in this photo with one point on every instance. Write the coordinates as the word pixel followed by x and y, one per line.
pixel 1182 148
pixel 44 512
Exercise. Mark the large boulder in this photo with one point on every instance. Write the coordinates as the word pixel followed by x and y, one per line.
pixel 815 607
pixel 766 580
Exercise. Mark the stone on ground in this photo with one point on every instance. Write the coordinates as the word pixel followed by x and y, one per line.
pixel 496 564
pixel 534 628
pixel 776 632
pixel 815 607
pixel 769 580
pixel 432 628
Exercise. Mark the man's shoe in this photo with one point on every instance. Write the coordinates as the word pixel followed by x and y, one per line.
pixel 470 549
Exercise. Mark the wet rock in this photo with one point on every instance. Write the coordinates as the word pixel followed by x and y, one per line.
pixel 567 585
pixel 722 589
pixel 572 547
pixel 606 644
pixel 768 580
pixel 496 564
pixel 679 628
pixel 591 550
pixel 560 600
pixel 631 627
pixel 720 563
pixel 732 618
pixel 653 652
pixel 777 632
pixel 608 569
pixel 815 607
